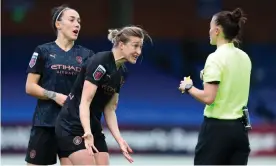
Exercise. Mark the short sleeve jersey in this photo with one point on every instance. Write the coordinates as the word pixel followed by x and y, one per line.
pixel 58 71
pixel 100 70
pixel 231 67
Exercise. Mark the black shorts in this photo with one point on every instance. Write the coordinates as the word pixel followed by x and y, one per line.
pixel 222 142
pixel 70 144
pixel 42 148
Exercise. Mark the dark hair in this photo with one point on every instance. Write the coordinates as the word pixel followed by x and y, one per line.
pixel 123 34
pixel 232 24
pixel 57 13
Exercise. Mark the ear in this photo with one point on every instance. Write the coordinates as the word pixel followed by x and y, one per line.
pixel 217 30
pixel 121 45
pixel 57 25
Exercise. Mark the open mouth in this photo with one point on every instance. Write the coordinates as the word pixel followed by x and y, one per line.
pixel 135 57
pixel 76 32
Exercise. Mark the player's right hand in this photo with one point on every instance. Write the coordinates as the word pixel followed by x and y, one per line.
pixel 126 150
pixel 89 143
pixel 60 99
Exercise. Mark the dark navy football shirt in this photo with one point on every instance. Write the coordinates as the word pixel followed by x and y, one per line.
pixel 59 70
pixel 100 70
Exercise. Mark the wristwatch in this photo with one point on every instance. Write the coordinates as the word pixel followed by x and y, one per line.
pixel 188 87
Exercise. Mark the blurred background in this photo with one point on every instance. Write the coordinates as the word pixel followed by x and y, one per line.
pixel 159 123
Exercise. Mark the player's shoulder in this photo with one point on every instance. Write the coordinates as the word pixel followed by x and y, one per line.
pixel 98 58
pixel 43 49
pixel 84 49
pixel 84 52
pixel 102 56
pixel 46 46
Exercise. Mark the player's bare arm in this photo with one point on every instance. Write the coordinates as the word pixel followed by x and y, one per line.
pixel 111 119
pixel 88 94
pixel 33 89
pixel 112 124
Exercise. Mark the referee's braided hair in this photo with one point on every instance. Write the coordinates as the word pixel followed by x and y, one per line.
pixel 232 24
pixel 57 13
pixel 123 34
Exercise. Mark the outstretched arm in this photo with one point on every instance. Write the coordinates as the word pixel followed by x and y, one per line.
pixel 111 118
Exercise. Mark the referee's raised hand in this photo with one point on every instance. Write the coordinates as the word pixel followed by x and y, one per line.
pixel 89 143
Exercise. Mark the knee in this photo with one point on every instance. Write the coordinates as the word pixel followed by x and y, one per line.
pixel 102 158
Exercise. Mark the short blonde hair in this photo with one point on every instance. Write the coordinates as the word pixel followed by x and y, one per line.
pixel 123 34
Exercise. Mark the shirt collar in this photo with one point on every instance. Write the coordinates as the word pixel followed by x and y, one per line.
pixel 226 45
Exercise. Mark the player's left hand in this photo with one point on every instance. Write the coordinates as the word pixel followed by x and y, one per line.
pixel 186 80
pixel 126 150
pixel 60 99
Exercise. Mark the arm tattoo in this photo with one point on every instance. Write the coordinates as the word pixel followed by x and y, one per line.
pixel 50 94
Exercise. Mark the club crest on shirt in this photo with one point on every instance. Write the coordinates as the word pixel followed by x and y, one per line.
pixel 79 59
pixel 99 73
pixel 33 59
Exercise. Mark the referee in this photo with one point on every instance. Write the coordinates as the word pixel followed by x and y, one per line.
pixel 223 138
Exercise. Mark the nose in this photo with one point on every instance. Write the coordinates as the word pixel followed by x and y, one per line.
pixel 77 24
pixel 138 51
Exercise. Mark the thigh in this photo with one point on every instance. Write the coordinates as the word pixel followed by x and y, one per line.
pixel 65 161
pixel 73 148
pixel 70 144
pixel 42 147
pixel 81 157
pixel 212 147
pixel 102 158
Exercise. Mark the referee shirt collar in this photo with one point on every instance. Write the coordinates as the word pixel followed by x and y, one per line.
pixel 227 45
